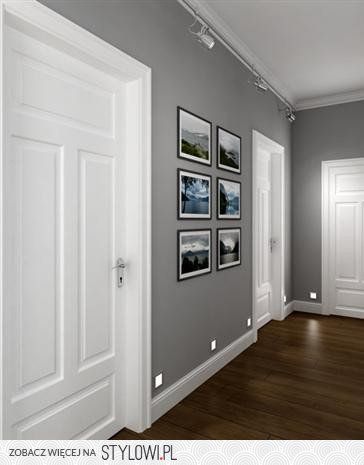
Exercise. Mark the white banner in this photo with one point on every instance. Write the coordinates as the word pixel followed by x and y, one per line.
pixel 183 452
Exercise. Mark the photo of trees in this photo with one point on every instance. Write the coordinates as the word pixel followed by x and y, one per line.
pixel 194 253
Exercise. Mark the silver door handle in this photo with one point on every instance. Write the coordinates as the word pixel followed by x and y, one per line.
pixel 272 243
pixel 120 266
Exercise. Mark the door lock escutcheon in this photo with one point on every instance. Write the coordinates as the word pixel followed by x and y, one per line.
pixel 120 267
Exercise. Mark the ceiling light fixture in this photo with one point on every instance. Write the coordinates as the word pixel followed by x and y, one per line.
pixel 260 84
pixel 202 36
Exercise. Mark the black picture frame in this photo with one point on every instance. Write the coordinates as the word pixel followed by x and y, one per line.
pixel 190 216
pixel 190 157
pixel 220 266
pixel 219 165
pixel 180 232
pixel 218 214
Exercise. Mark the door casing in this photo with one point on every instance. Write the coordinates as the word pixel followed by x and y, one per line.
pixel 278 224
pixel 43 23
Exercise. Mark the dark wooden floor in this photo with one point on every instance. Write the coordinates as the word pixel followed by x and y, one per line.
pixel 304 379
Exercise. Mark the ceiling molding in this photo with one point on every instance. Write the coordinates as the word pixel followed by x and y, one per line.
pixel 327 100
pixel 217 23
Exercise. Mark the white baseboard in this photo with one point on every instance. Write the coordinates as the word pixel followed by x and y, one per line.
pixel 308 307
pixel 288 309
pixel 179 390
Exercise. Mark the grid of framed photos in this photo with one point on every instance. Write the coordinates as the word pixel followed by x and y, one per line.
pixel 194 196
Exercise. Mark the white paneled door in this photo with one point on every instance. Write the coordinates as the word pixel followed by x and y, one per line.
pixel 264 233
pixel 268 229
pixel 63 216
pixel 343 237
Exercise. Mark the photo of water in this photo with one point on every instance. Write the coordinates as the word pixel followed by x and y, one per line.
pixel 229 199
pixel 194 195
pixel 194 137
pixel 194 250
pixel 228 150
pixel 229 247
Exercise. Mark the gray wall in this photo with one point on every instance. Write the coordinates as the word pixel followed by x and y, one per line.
pixel 320 134
pixel 187 315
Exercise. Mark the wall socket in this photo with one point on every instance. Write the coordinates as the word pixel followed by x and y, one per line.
pixel 313 295
pixel 248 322
pixel 284 299
pixel 158 380
pixel 213 345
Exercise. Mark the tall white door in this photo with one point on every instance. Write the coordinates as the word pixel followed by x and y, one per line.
pixel 344 269
pixel 264 226
pixel 63 234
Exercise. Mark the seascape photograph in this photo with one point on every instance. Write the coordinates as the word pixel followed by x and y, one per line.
pixel 228 248
pixel 194 253
pixel 194 194
pixel 228 199
pixel 194 137
pixel 228 150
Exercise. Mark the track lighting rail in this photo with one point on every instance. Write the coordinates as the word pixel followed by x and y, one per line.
pixel 187 5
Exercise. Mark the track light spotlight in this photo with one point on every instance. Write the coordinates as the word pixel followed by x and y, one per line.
pixel 260 84
pixel 203 36
pixel 290 115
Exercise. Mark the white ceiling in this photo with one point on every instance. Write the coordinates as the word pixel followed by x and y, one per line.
pixel 312 51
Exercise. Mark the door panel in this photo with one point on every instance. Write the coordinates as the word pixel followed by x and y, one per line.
pixel 34 173
pixel 347 242
pixel 63 362
pixel 97 254
pixel 74 411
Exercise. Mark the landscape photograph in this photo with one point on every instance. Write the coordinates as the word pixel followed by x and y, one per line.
pixel 194 195
pixel 228 202
pixel 194 137
pixel 228 150
pixel 228 248
pixel 194 253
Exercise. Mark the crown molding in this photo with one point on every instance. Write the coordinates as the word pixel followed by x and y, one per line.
pixel 328 100
pixel 216 22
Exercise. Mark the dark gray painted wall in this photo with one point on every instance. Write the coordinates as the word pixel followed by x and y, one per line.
pixel 188 314
pixel 327 133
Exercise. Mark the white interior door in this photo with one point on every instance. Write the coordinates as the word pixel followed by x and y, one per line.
pixel 344 273
pixel 264 233
pixel 63 217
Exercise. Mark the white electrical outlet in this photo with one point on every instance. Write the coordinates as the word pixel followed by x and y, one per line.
pixel 313 295
pixel 158 380
pixel 284 299
pixel 249 322
pixel 213 345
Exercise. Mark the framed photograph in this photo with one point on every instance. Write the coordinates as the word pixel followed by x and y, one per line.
pixel 194 195
pixel 228 248
pixel 194 137
pixel 228 199
pixel 228 150
pixel 194 253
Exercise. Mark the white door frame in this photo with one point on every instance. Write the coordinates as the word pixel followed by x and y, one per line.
pixel 327 278
pixel 41 22
pixel 278 224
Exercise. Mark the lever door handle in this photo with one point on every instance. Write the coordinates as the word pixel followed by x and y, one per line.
pixel 119 264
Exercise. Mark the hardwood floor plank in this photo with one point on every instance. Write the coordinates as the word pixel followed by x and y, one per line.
pixel 251 418
pixel 209 425
pixel 162 430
